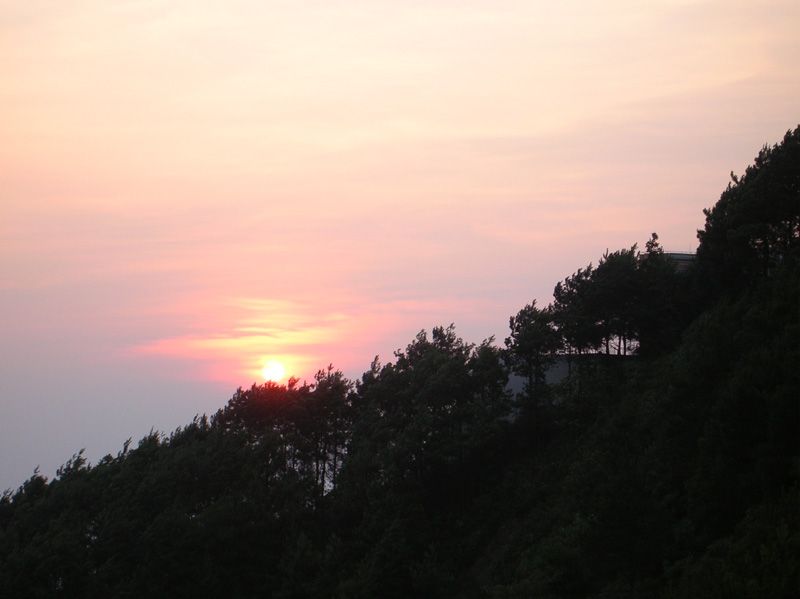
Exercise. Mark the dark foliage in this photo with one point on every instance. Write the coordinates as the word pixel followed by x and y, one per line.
pixel 664 464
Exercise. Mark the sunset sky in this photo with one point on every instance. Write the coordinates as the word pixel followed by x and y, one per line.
pixel 191 189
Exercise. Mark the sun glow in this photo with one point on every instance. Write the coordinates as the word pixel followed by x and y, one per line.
pixel 273 371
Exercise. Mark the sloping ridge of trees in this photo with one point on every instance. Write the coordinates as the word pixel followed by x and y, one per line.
pixel 665 464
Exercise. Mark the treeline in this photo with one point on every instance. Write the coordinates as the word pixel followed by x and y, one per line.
pixel 665 464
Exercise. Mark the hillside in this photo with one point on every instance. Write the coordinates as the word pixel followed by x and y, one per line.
pixel 665 464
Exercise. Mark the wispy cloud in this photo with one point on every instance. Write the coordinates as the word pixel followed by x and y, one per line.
pixel 189 189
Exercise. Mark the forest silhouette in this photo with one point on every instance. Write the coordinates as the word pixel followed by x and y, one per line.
pixel 665 462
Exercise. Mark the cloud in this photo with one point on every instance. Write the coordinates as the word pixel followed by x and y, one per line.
pixel 187 189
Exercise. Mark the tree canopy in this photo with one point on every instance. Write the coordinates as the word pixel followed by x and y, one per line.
pixel 665 464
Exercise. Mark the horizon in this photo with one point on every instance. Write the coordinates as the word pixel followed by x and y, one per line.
pixel 192 191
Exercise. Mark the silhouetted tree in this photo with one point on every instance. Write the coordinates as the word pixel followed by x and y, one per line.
pixel 679 481
pixel 756 222
pixel 572 312
pixel 532 347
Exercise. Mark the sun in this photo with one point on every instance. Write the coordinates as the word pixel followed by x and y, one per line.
pixel 273 371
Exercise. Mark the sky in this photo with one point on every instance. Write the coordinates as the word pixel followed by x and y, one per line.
pixel 189 190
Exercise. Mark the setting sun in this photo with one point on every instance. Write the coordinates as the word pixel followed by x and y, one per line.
pixel 273 371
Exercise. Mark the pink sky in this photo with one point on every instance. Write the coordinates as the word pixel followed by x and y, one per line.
pixel 190 189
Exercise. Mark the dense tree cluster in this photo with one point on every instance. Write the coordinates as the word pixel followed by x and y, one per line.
pixel 666 464
pixel 755 225
pixel 631 301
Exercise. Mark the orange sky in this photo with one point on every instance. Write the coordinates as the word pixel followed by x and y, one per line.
pixel 189 189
